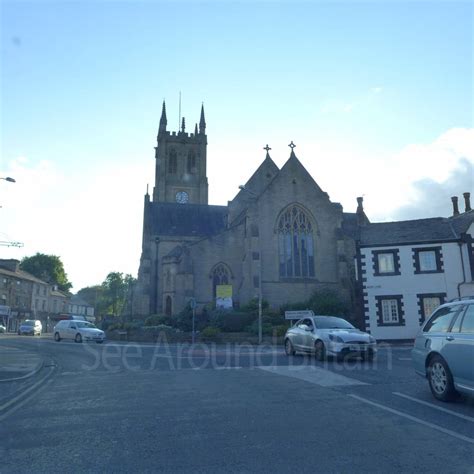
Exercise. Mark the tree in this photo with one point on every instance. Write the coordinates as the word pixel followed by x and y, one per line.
pixel 115 289
pixel 48 268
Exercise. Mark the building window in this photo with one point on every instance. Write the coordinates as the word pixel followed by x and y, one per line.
pixel 390 310
pixel 220 275
pixel 44 305
pixel 386 262
pixel 427 303
pixel 427 260
pixel 173 162
pixel 295 243
pixel 191 164
pixel 168 306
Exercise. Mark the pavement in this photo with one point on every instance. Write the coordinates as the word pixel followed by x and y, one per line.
pixel 18 364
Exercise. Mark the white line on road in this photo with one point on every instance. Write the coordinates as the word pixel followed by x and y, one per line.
pixel 431 405
pixel 316 375
pixel 415 419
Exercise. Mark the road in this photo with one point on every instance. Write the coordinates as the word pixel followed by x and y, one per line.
pixel 121 407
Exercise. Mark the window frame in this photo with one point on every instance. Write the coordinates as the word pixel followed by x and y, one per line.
pixel 400 309
pixel 438 259
pixel 296 230
pixel 421 309
pixel 396 262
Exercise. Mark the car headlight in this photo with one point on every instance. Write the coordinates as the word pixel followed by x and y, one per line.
pixel 334 338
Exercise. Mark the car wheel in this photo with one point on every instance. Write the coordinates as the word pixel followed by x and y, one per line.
pixel 57 337
pixel 441 380
pixel 78 338
pixel 289 349
pixel 319 350
pixel 99 342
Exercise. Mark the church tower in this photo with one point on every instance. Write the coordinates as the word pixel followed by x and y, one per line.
pixel 180 173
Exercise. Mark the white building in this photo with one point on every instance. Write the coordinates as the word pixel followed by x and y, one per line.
pixel 408 268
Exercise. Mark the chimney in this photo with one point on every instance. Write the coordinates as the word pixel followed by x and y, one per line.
pixel 361 217
pixel 455 206
pixel 467 201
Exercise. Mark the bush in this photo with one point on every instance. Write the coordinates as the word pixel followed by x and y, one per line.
pixel 210 332
pixel 157 319
pixel 328 302
pixel 159 327
pixel 267 328
pixel 231 321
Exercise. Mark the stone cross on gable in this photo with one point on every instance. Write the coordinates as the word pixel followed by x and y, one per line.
pixel 292 145
pixel 267 148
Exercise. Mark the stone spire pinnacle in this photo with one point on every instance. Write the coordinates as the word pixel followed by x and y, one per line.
pixel 268 149
pixel 183 125
pixel 163 120
pixel 292 146
pixel 195 129
pixel 202 121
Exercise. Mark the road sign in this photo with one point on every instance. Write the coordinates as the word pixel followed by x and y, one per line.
pixel 306 313
pixel 192 303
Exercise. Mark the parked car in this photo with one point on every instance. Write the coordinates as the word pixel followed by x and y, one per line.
pixel 78 331
pixel 30 327
pixel 2 328
pixel 329 336
pixel 444 350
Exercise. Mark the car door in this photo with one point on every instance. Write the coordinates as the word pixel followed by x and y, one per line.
pixel 307 335
pixel 297 335
pixel 458 350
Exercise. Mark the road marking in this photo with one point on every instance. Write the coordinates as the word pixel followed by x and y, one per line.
pixel 316 375
pixel 414 418
pixel 432 405
pixel 404 358
pixel 22 394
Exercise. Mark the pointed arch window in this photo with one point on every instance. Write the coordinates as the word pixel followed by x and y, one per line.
pixel 220 275
pixel 172 162
pixel 168 306
pixel 191 164
pixel 295 243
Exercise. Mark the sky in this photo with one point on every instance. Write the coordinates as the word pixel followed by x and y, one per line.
pixel 376 95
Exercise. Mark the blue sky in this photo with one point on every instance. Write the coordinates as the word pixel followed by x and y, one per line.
pixel 365 90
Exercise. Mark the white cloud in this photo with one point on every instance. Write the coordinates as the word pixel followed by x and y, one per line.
pixel 92 218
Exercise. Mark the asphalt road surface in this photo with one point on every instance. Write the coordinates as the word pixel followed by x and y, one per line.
pixel 121 407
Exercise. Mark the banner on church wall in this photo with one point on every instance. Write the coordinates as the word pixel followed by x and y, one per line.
pixel 224 296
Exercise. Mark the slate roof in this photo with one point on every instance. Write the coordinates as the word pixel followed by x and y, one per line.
pixel 420 230
pixel 21 275
pixel 196 220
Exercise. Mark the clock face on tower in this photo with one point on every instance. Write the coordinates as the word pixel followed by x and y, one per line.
pixel 182 197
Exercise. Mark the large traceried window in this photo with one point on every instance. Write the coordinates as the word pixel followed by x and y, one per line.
pixel 295 243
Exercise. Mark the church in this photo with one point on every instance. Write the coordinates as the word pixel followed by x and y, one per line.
pixel 280 238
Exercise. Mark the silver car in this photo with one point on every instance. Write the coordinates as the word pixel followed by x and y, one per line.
pixel 329 336
pixel 78 331
pixel 444 350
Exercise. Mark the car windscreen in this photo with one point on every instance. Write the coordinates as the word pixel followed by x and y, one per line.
pixel 331 322
pixel 83 324
pixel 28 323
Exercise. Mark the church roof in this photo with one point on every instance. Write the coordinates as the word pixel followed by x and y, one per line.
pixel 435 229
pixel 194 220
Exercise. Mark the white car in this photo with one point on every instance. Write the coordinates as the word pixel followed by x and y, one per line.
pixel 78 331
pixel 2 328
pixel 329 336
